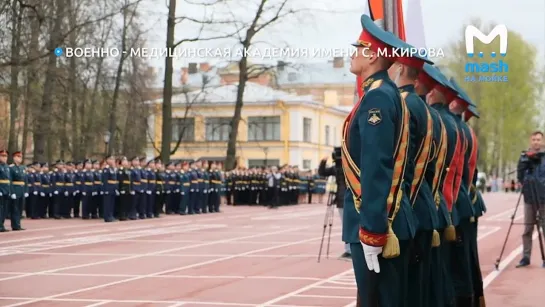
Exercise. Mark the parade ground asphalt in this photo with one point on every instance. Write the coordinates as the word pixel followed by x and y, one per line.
pixel 244 256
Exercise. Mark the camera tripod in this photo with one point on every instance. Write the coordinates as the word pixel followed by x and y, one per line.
pixel 328 222
pixel 537 222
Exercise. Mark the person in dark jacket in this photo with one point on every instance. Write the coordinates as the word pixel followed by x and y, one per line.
pixel 336 171
pixel 531 174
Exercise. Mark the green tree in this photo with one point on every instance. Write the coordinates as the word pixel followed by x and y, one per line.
pixel 509 110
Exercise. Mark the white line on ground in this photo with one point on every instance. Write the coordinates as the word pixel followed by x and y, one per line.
pixel 303 289
pixel 334 287
pixel 503 264
pixel 99 304
pixel 178 268
pixel 26 239
pixel 325 296
pixel 174 276
pixel 151 253
pixel 80 300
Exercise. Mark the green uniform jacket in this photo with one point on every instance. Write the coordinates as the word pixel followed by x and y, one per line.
pixel 463 203
pixel 5 180
pixel 446 185
pixel 371 142
pixel 18 180
pixel 415 184
pixel 443 214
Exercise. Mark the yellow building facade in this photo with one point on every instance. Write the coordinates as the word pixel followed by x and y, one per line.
pixel 277 128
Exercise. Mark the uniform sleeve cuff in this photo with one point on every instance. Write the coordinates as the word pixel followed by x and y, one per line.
pixel 372 239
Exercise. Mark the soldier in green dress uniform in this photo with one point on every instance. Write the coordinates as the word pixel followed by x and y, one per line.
pixel 479 208
pixel 463 254
pixel 405 73
pixel 444 142
pixel 462 271
pixel 18 190
pixel 378 220
pixel 5 188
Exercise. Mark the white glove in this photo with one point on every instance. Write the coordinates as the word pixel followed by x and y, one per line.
pixel 42 194
pixel 66 193
pixel 26 194
pixel 158 193
pixel 148 192
pixel 101 193
pixel 75 193
pixel 50 195
pixel 13 196
pixel 83 193
pixel 1 194
pixel 168 192
pixel 56 192
pixel 371 256
pixel 132 193
pixel 117 192
pixel 191 190
pixel 35 192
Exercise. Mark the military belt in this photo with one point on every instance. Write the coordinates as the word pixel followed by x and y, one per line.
pixel 59 184
pixel 37 183
pixel 4 181
pixel 45 185
pixel 98 182
pixel 126 182
pixel 112 181
pixel 144 180
pixel 89 183
pixel 69 184
pixel 136 183
pixel 186 184
pixel 18 183
pixel 201 180
pixel 172 182
pixel 78 182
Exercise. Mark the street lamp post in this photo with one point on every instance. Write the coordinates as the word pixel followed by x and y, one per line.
pixel 107 136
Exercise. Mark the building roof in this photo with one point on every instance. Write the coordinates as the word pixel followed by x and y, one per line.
pixel 210 78
pixel 314 73
pixel 227 94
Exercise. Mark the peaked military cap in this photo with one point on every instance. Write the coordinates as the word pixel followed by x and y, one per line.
pixel 471 111
pixel 88 161
pixel 143 159
pixel 169 164
pixel 70 163
pixel 374 37
pixel 462 95
pixel 110 156
pixel 17 154
pixel 432 78
pixel 45 164
pixel 414 59
pixel 158 160
pixel 4 152
pixel 59 162
pixel 79 163
pixel 135 158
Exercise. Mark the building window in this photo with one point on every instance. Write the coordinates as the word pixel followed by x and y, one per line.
pixel 334 136
pixel 264 128
pixel 327 135
pixel 183 129
pixel 306 164
pixel 306 129
pixel 263 162
pixel 218 128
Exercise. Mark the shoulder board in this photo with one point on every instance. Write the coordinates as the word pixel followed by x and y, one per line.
pixel 375 85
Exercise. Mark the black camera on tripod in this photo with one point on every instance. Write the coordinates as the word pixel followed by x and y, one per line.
pixel 529 159
pixel 337 156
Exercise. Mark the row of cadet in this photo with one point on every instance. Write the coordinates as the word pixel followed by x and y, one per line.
pixel 412 210
pixel 124 190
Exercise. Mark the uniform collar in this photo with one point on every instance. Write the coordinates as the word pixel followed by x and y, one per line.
pixel 407 88
pixel 379 75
